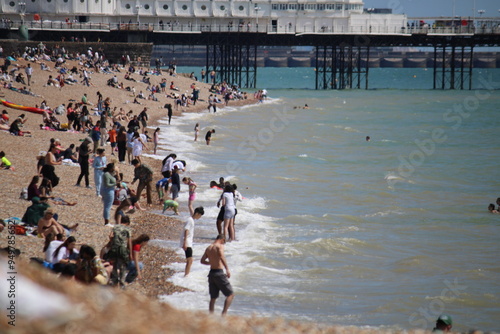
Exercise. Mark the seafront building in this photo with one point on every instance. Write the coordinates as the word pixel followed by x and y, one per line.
pixel 280 16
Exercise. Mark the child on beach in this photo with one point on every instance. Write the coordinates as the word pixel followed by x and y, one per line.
pixel 4 162
pixel 192 193
pixel 160 187
pixel 196 131
pixel 171 204
pixel 156 135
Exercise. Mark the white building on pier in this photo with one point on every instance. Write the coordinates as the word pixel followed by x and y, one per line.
pixel 272 16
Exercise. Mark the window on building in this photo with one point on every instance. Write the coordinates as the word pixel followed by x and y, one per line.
pixel 126 6
pixel 165 7
pixel 146 6
pixel 184 7
pixel 241 8
pixel 203 7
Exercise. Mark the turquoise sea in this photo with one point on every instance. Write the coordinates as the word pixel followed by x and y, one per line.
pixel 335 229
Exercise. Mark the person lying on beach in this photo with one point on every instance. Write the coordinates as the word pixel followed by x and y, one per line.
pixel 491 208
pixel 171 204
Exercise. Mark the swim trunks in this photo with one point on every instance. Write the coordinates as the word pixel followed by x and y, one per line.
pixel 217 281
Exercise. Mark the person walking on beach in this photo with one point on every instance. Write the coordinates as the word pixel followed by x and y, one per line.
pixel 187 237
pixel 144 174
pixel 83 160
pixel 29 73
pixel 169 112
pixel 119 253
pixel 217 280
pixel 107 190
pixel 99 164
pixel 208 136
pixel 121 142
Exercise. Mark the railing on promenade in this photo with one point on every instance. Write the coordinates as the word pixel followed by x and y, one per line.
pixel 247 28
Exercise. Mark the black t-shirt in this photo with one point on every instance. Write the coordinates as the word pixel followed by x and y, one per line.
pixel 68 153
pixel 208 135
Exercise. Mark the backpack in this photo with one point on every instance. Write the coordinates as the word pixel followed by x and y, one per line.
pixel 119 244
pixel 20 230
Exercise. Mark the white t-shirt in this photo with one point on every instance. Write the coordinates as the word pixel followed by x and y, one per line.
pixel 168 165
pixel 229 200
pixel 179 165
pixel 63 254
pixel 50 250
pixel 189 226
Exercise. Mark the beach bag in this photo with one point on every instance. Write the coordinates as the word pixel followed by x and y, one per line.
pixel 20 230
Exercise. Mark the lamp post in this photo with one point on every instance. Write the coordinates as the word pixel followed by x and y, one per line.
pixel 256 8
pixel 481 12
pixel 22 10
pixel 138 7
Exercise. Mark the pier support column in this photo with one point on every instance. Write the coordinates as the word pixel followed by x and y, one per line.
pixel 453 67
pixel 341 67
pixel 235 64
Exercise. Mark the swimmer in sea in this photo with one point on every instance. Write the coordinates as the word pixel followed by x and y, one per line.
pixel 492 209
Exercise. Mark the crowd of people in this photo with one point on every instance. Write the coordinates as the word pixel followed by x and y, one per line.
pixel 113 137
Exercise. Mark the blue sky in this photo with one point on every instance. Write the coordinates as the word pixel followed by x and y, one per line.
pixel 419 8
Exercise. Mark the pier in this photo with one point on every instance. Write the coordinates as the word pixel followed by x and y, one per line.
pixel 343 54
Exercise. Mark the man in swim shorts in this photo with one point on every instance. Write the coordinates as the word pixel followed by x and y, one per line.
pixel 217 280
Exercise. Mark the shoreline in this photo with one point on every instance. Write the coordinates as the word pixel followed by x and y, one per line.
pixel 21 151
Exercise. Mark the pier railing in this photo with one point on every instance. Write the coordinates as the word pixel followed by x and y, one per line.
pixel 249 28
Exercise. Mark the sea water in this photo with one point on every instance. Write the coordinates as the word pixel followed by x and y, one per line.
pixel 336 229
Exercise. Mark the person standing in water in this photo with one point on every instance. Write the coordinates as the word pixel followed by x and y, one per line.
pixel 208 136
pixel 196 131
pixel 187 237
pixel 217 280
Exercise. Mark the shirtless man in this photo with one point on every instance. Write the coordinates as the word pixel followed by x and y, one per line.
pixel 217 280
pixel 47 224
